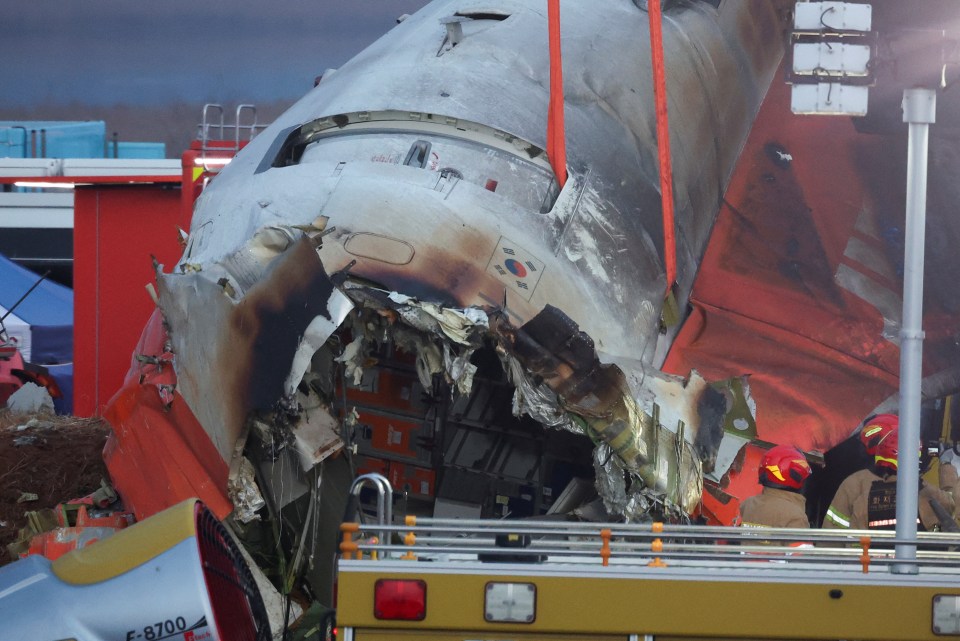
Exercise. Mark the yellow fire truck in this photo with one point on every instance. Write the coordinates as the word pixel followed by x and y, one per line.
pixel 482 580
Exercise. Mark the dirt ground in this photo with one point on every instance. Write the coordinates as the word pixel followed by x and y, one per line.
pixel 58 458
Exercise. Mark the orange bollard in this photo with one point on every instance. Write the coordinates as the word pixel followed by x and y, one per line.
pixel 605 546
pixel 347 546
pixel 865 557
pixel 409 540
pixel 656 546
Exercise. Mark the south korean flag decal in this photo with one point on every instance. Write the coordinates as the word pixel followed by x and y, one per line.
pixel 514 266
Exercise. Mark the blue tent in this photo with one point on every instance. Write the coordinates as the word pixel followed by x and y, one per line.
pixel 42 324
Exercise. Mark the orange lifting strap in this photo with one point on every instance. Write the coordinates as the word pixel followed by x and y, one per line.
pixel 663 142
pixel 556 142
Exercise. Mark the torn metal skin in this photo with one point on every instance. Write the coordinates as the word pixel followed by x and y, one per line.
pixel 279 291
pixel 405 209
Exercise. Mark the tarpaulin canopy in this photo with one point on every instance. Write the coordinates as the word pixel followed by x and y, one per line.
pixel 43 322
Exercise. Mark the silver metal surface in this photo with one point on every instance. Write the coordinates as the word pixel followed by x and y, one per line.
pixel 36 604
pixel 384 500
pixel 593 250
pixel 919 110
pixel 413 179
pixel 632 547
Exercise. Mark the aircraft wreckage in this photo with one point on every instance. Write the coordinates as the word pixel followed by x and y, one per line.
pixel 391 278
pixel 394 277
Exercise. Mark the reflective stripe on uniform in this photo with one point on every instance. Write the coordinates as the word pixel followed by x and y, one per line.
pixel 837 518
pixel 886 523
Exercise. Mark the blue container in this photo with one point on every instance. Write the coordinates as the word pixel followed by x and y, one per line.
pixel 52 139
pixel 13 142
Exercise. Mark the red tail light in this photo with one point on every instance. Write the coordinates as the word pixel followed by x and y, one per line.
pixel 400 599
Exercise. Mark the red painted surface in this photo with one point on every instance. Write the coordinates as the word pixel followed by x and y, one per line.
pixel 10 361
pixel 158 454
pixel 116 230
pixel 200 165
pixel 418 481
pixel 66 538
pixel 769 300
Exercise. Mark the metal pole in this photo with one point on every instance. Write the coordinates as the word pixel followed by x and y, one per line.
pixel 919 111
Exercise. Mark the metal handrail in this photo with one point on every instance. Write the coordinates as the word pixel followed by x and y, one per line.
pixel 663 530
pixel 727 535
pixel 251 128
pixel 206 126
pixel 657 543
pixel 384 500
pixel 839 559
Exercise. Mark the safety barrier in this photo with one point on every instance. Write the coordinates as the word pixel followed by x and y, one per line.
pixel 647 545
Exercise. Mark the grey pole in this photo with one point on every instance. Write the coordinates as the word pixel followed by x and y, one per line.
pixel 919 111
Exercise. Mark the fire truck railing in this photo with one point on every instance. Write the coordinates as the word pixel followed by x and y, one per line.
pixel 647 545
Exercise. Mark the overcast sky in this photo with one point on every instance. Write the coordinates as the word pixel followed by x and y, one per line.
pixel 139 52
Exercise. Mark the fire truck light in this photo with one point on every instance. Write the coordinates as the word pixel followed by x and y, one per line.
pixel 510 603
pixel 946 614
pixel 39 184
pixel 400 599
pixel 211 161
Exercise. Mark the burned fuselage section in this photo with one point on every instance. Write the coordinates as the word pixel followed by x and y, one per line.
pixel 420 386
pixel 390 278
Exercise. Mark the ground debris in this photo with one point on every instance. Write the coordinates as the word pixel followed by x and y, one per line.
pixel 30 398
pixel 62 464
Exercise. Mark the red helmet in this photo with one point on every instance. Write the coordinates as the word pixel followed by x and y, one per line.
pixel 887 451
pixel 784 466
pixel 875 429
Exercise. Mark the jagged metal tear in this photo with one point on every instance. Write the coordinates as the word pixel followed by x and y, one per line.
pixel 661 428
pixel 569 389
pixel 554 367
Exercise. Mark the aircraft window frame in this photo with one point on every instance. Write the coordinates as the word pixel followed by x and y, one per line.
pixel 290 146
pixel 529 185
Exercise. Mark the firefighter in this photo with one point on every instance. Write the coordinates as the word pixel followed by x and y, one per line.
pixel 783 470
pixel 875 429
pixel 868 499
pixel 949 473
